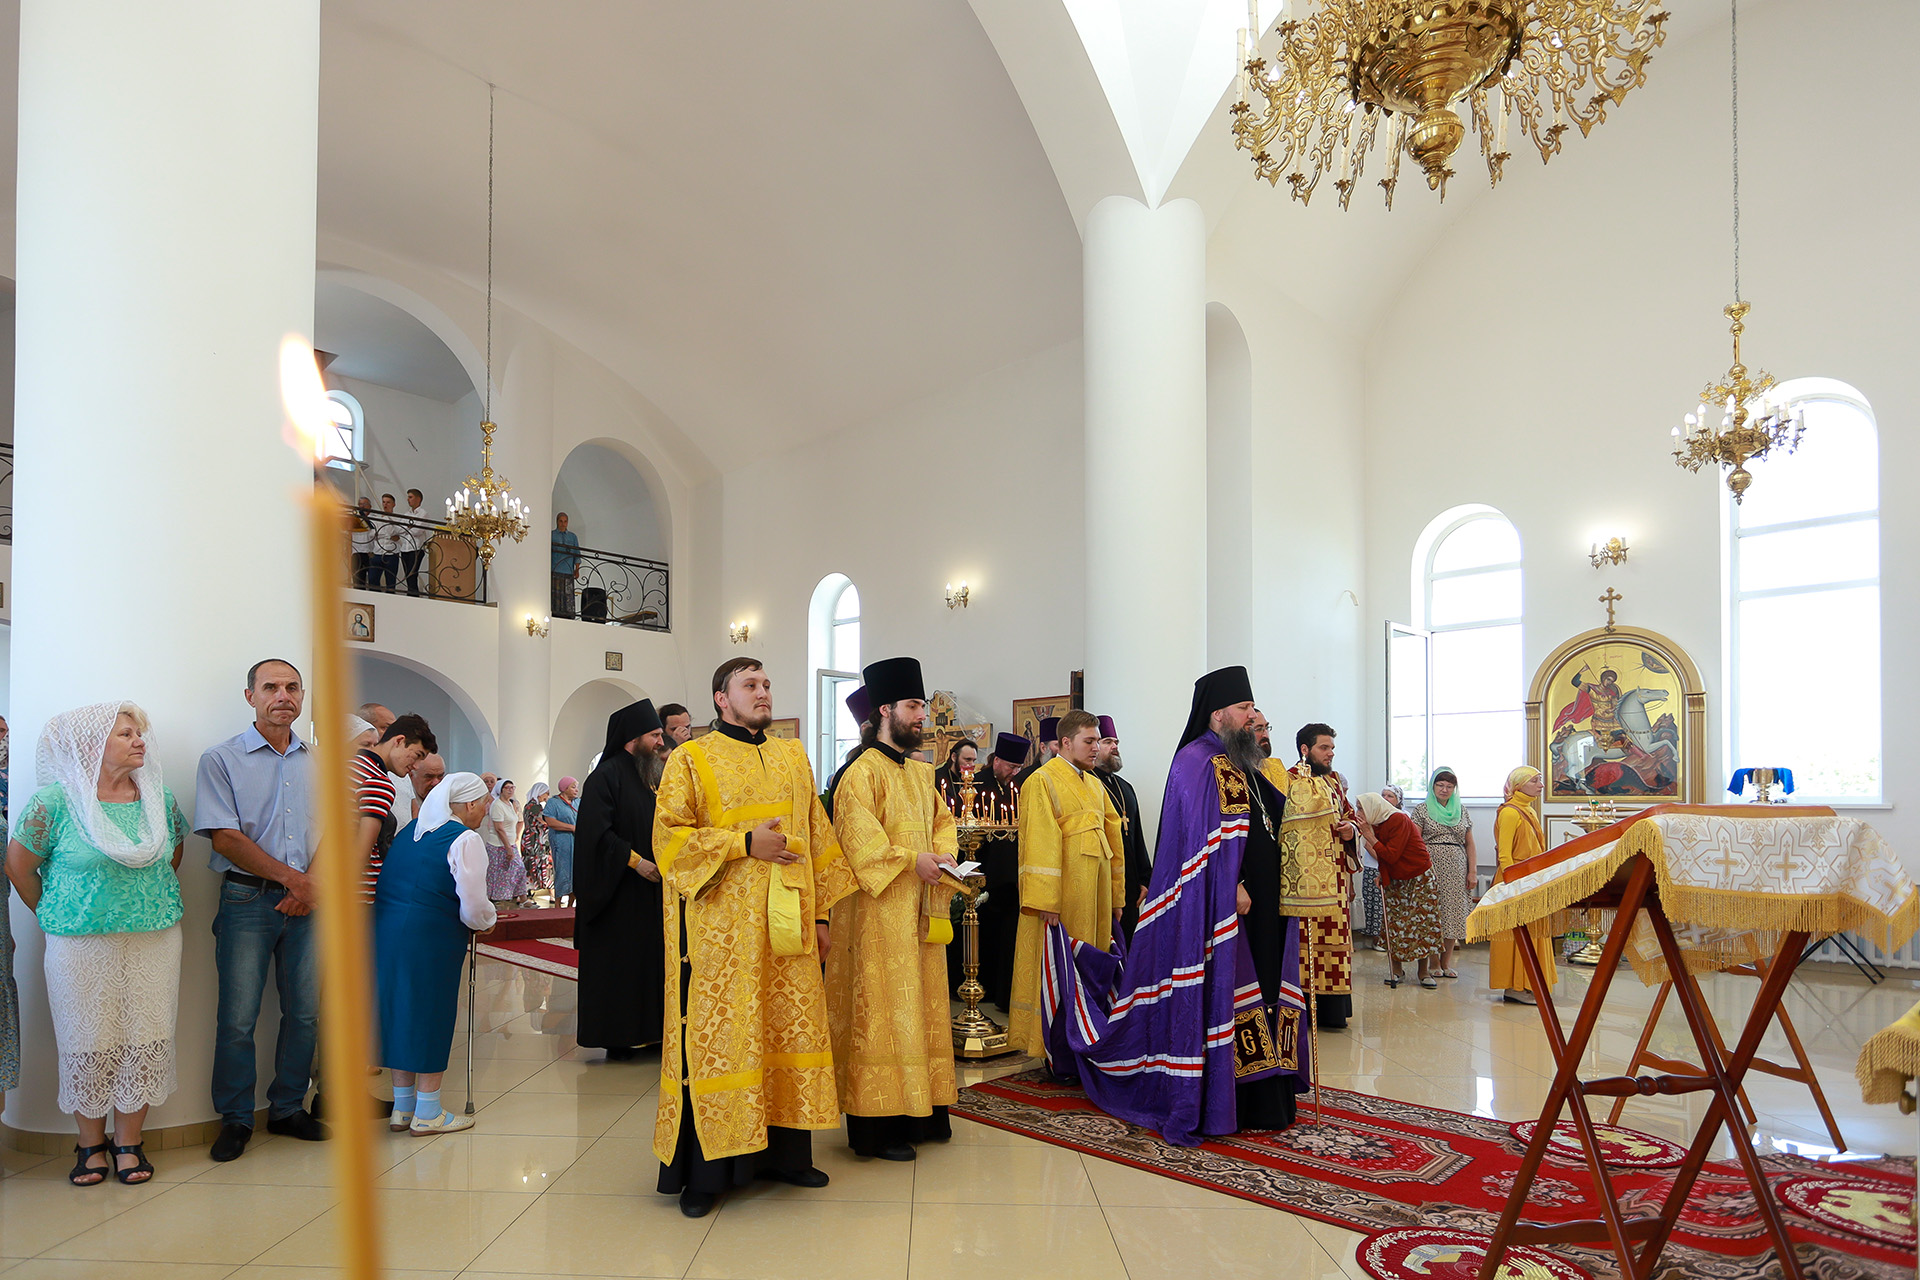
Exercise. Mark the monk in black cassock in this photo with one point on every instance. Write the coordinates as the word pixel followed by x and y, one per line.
pixel 862 712
pixel 1106 766
pixel 999 858
pixel 617 915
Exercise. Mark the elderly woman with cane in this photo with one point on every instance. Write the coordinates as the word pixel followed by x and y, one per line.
pixel 93 855
pixel 431 899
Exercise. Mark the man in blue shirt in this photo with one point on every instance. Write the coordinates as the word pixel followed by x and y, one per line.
pixel 566 566
pixel 254 804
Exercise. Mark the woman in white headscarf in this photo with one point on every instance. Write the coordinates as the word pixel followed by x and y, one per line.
pixel 533 838
pixel 432 896
pixel 93 854
pixel 506 873
pixel 1406 886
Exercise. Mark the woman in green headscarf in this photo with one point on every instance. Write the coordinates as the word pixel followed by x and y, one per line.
pixel 1448 831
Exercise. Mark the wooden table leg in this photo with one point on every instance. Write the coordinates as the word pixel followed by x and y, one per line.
pixel 1640 1050
pixel 1726 1076
pixel 1567 1052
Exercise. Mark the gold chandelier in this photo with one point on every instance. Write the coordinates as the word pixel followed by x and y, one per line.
pixel 1752 423
pixel 485 512
pixel 1354 70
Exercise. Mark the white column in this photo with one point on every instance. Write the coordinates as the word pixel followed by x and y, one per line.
pixel 166 245
pixel 523 449
pixel 1146 499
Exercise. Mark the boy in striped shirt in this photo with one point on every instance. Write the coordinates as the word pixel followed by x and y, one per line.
pixel 404 744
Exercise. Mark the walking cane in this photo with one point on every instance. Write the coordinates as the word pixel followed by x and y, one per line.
pixel 473 956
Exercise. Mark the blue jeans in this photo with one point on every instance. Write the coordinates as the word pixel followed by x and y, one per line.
pixel 248 934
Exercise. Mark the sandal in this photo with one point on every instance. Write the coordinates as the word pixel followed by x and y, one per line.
pixel 85 1175
pixel 1449 973
pixel 1393 980
pixel 132 1177
pixel 1429 983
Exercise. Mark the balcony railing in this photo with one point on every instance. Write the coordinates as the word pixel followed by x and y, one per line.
pixel 610 588
pixel 407 555
pixel 6 493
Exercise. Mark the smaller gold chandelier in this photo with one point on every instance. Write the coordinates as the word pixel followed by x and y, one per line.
pixel 1750 427
pixel 485 511
pixel 1352 64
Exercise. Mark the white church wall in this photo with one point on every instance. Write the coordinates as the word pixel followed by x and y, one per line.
pixel 1548 341
pixel 981 482
pixel 413 442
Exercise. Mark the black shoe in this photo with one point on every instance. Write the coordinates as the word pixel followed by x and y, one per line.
pixel 697 1204
pixel 299 1125
pixel 796 1177
pixel 231 1142
pixel 898 1151
pixel 313 1108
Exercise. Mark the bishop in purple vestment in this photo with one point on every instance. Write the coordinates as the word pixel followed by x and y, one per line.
pixel 1196 1030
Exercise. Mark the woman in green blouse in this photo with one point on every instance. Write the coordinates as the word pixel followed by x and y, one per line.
pixel 93 854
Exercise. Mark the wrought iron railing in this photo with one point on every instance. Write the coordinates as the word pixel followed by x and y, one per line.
pixel 606 586
pixel 6 493
pixel 610 588
pixel 408 555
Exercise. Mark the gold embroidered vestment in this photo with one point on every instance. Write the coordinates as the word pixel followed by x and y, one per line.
pixel 755 1019
pixel 887 999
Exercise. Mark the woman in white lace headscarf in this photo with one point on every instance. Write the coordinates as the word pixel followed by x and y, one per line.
pixel 506 873
pixel 93 854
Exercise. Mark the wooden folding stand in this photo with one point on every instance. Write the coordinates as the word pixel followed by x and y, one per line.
pixel 1633 889
pixel 1801 1073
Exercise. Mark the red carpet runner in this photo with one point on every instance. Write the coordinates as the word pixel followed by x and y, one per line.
pixel 531 953
pixel 1383 1166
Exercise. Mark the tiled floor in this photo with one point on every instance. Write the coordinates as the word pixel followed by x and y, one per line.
pixel 557 1177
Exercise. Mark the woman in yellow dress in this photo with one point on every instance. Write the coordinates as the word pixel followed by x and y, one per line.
pixel 1517 835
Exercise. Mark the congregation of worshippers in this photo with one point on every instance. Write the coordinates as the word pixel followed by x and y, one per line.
pixel 791 953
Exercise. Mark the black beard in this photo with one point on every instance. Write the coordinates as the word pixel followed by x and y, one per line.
pixel 1243 751
pixel 1110 765
pixel 1317 769
pixel 907 738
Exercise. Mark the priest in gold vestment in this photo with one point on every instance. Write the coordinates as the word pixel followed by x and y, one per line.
pixel 751 869
pixel 1316 882
pixel 1072 865
pixel 887 966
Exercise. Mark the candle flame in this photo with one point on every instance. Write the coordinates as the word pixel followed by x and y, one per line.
pixel 309 412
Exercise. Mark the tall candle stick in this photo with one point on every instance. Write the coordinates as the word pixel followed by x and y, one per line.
pixel 345 1012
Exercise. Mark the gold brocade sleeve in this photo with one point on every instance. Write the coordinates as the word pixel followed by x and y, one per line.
pixel 688 853
pixel 870 852
pixel 1041 848
pixel 832 875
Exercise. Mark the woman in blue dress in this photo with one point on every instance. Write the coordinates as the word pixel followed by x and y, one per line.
pixel 431 898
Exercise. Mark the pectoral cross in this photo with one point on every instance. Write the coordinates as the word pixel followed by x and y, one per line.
pixel 1610 599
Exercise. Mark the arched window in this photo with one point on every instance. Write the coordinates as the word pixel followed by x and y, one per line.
pixel 833 650
pixel 343 445
pixel 1455 690
pixel 1803 596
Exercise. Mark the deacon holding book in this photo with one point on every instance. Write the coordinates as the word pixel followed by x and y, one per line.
pixel 751 869
pixel 1072 865
pixel 887 966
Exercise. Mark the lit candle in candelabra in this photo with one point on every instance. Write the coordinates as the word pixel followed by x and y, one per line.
pixel 345 1015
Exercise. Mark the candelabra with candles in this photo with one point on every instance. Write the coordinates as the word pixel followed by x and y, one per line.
pixel 975 1035
pixel 1753 422
pixel 1590 818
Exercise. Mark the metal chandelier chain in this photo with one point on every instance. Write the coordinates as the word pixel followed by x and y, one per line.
pixel 488 411
pixel 1735 44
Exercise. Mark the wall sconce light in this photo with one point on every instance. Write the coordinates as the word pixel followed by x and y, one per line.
pixel 1612 551
pixel 738 632
pixel 957 596
pixel 537 626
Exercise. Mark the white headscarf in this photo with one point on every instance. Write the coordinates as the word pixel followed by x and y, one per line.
pixel 540 791
pixel 71 748
pixel 498 785
pixel 1377 808
pixel 356 726
pixel 436 810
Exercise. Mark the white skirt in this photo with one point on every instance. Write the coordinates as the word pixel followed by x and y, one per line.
pixel 114 999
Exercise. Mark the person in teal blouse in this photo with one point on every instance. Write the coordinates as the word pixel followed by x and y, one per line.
pixel 94 854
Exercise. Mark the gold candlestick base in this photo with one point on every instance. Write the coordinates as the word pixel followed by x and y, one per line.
pixel 975 1035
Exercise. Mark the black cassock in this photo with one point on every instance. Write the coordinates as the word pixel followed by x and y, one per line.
pixel 616 923
pixel 1139 862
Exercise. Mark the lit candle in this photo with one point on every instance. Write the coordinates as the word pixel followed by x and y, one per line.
pixel 345 1013
pixel 1500 97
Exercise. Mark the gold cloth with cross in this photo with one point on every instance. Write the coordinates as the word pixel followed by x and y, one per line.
pixel 887 1002
pixel 758 1051
pixel 1315 881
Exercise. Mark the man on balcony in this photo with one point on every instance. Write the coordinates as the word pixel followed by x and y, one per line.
pixel 566 567
pixel 414 536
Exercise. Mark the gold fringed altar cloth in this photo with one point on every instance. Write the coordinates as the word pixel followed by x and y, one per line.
pixel 1732 878
pixel 1737 881
pixel 1889 1060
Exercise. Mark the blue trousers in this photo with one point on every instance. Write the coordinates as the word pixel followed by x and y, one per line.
pixel 249 935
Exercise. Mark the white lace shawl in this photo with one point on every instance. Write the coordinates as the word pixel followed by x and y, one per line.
pixel 71 748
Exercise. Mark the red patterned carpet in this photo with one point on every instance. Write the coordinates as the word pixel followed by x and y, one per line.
pixel 1382 1166
pixel 531 953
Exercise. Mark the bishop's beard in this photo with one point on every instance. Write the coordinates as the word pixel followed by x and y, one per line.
pixel 1243 751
